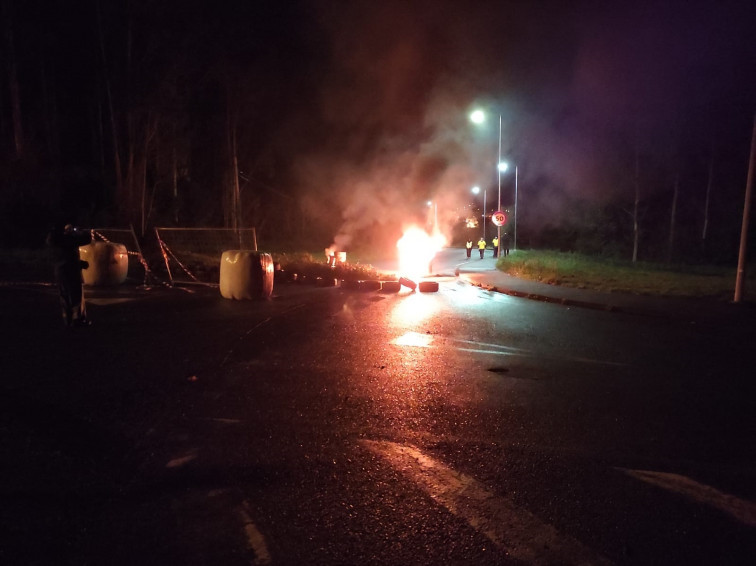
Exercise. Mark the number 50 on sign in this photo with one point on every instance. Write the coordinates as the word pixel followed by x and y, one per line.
pixel 498 218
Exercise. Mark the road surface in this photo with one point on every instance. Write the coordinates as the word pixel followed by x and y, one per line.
pixel 329 427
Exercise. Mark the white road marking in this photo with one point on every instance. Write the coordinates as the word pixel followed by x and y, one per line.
pixel 495 352
pixel 222 420
pixel 255 540
pixel 743 511
pixel 500 350
pixel 417 340
pixel 508 349
pixel 104 302
pixel 518 532
pixel 180 461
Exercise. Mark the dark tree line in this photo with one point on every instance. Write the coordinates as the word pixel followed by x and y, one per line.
pixel 670 198
pixel 134 112
pixel 143 113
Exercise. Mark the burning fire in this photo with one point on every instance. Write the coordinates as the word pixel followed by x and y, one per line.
pixel 416 251
pixel 333 255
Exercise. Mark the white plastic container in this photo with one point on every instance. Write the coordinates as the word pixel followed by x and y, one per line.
pixel 246 274
pixel 108 264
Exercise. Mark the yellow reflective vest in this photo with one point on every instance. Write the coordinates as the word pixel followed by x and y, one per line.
pixel 481 244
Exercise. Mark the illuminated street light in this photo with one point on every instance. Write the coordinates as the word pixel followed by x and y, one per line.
pixel 478 117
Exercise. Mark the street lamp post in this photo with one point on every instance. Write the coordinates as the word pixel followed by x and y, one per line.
pixel 484 214
pixel 498 178
pixel 514 247
pixel 478 117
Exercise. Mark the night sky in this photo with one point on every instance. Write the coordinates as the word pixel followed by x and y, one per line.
pixel 350 114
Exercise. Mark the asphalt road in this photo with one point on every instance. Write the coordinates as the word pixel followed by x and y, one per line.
pixel 327 427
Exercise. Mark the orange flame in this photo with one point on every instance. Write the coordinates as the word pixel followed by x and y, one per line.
pixel 416 251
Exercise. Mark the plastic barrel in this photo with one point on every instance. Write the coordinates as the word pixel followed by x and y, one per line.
pixel 246 274
pixel 108 264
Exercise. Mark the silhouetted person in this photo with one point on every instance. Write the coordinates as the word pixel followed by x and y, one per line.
pixel 505 244
pixel 64 242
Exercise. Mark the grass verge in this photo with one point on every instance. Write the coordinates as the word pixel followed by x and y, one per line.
pixel 613 276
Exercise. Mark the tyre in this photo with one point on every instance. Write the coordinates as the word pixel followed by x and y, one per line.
pixel 428 287
pixel 370 285
pixel 390 286
pixel 325 282
pixel 349 285
pixel 408 283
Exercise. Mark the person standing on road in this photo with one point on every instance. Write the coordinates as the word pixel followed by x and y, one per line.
pixel 64 242
pixel 505 244
pixel 481 247
pixel 468 245
pixel 495 243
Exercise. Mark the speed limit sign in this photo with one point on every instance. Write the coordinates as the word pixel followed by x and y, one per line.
pixel 498 218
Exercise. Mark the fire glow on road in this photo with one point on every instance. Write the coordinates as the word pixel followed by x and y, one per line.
pixel 414 339
pixel 413 309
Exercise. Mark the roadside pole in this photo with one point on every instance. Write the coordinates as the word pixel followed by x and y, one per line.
pixel 740 277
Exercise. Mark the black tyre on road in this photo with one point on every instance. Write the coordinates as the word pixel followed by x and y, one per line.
pixel 390 286
pixel 408 283
pixel 370 285
pixel 428 287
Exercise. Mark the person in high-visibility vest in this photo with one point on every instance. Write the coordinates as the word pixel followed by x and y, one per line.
pixel 496 246
pixel 481 247
pixel 468 245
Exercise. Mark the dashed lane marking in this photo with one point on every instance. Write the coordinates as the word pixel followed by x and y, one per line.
pixel 743 511
pixel 222 420
pixel 255 539
pixel 501 350
pixel 105 302
pixel 491 346
pixel 182 460
pixel 518 532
